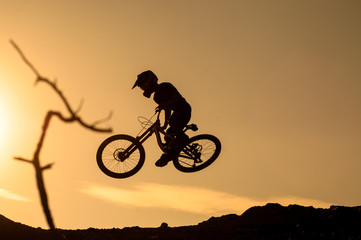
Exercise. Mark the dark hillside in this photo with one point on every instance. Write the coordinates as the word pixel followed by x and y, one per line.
pixel 272 221
pixel 10 230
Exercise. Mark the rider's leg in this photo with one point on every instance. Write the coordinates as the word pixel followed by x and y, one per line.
pixel 177 122
pixel 173 146
pixel 178 139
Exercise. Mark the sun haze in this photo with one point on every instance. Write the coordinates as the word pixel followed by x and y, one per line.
pixel 278 82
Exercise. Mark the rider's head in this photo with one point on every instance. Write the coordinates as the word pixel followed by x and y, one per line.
pixel 147 81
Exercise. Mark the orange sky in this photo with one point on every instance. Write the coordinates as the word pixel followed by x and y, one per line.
pixel 277 81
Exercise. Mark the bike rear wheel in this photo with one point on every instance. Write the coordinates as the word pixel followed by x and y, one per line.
pixel 114 160
pixel 200 152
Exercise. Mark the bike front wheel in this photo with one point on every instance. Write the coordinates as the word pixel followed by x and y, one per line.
pixel 120 156
pixel 200 152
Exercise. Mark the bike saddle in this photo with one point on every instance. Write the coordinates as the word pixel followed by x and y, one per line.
pixel 192 127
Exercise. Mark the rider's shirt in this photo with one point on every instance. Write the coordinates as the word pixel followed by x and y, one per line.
pixel 165 92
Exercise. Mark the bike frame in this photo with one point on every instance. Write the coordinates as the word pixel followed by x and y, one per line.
pixel 154 128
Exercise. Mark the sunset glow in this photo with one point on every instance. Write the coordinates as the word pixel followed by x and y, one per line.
pixel 5 118
pixel 184 198
pixel 278 82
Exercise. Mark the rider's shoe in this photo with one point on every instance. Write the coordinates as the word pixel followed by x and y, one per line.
pixel 163 160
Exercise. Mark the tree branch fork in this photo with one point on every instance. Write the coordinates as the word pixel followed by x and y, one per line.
pixel 73 116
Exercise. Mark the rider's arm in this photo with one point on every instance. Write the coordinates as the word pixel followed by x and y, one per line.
pixel 173 98
pixel 167 113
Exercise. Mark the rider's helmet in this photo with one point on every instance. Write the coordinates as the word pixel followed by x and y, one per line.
pixel 147 81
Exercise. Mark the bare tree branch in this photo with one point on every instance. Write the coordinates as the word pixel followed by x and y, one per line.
pixel 79 107
pixel 23 160
pixel 73 117
pixel 103 120
pixel 48 166
pixel 52 84
pixel 24 58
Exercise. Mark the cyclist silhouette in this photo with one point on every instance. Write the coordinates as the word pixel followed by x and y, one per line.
pixel 176 108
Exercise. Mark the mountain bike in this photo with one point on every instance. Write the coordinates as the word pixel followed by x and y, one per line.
pixel 122 156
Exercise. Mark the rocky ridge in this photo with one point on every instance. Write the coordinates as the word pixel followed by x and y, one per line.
pixel 271 221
